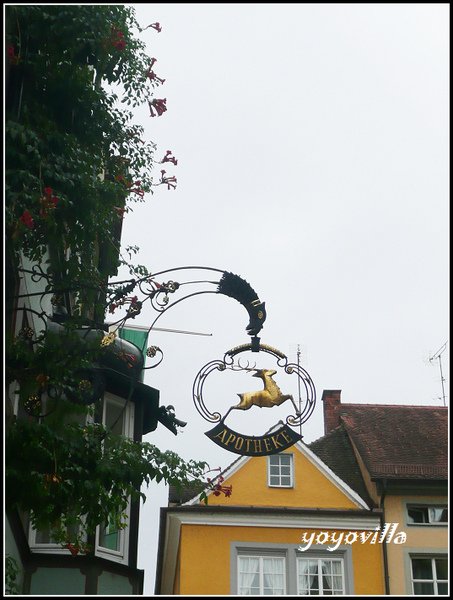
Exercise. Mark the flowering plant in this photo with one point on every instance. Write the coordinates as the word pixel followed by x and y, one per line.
pixel 74 163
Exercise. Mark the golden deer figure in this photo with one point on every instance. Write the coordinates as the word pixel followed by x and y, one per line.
pixel 269 396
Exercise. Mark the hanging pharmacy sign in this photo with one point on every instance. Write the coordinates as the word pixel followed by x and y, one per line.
pixel 300 403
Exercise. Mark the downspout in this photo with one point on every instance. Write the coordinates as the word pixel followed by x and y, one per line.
pixel 384 545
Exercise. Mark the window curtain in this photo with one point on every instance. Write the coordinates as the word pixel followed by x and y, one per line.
pixel 273 576
pixel 320 577
pixel 309 571
pixel 248 575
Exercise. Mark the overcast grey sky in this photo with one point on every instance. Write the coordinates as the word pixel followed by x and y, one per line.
pixel 313 160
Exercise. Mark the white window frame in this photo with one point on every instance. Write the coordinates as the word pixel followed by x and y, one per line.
pixel 50 547
pixel 319 559
pixel 45 548
pixel 435 581
pixel 291 554
pixel 121 555
pixel 260 556
pixel 291 470
pixel 426 507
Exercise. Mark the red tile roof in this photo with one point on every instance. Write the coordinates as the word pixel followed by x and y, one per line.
pixel 399 442
pixel 336 451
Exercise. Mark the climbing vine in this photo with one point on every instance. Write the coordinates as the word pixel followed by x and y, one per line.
pixel 75 164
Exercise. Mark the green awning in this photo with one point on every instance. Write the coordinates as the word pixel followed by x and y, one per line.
pixel 137 337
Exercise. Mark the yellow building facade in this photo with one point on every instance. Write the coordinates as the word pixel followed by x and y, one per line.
pixel 361 511
pixel 422 559
pixel 291 526
pixel 402 453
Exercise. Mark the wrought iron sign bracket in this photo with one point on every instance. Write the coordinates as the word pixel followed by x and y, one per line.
pixel 278 438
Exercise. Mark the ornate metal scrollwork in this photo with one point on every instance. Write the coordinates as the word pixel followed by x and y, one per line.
pixel 270 396
pixel 162 295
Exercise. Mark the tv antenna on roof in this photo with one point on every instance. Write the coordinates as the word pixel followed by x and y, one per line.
pixel 438 355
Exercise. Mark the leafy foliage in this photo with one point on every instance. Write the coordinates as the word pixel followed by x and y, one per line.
pixel 67 131
pixel 11 573
pixel 60 475
pixel 75 161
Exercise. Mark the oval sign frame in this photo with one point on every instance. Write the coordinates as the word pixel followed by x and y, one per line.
pixel 274 441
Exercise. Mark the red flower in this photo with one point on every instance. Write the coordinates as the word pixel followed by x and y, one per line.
pixel 72 549
pixel 169 181
pixel 135 306
pixel 121 210
pixel 119 44
pixel 169 158
pixel 155 26
pixel 27 219
pixel 123 180
pixel 227 490
pixel 153 77
pixel 12 57
pixel 117 39
pixel 48 202
pixel 150 73
pixel 158 105
pixel 137 191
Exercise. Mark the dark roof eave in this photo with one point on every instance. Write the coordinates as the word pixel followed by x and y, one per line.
pixel 282 510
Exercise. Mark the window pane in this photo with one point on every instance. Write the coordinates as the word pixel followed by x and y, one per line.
pixel 273 575
pixel 423 589
pixel 336 567
pixel 43 536
pixel 417 514
pixel 114 418
pixel 273 565
pixel 326 566
pixel 313 572
pixel 308 577
pixel 441 568
pixel 312 566
pixel 437 514
pixel 442 588
pixel 422 568
pixel 249 580
pixel 109 540
pixel 280 470
pixel 109 537
pixel 303 584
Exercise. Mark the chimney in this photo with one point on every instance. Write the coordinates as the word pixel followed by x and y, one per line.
pixel 332 402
